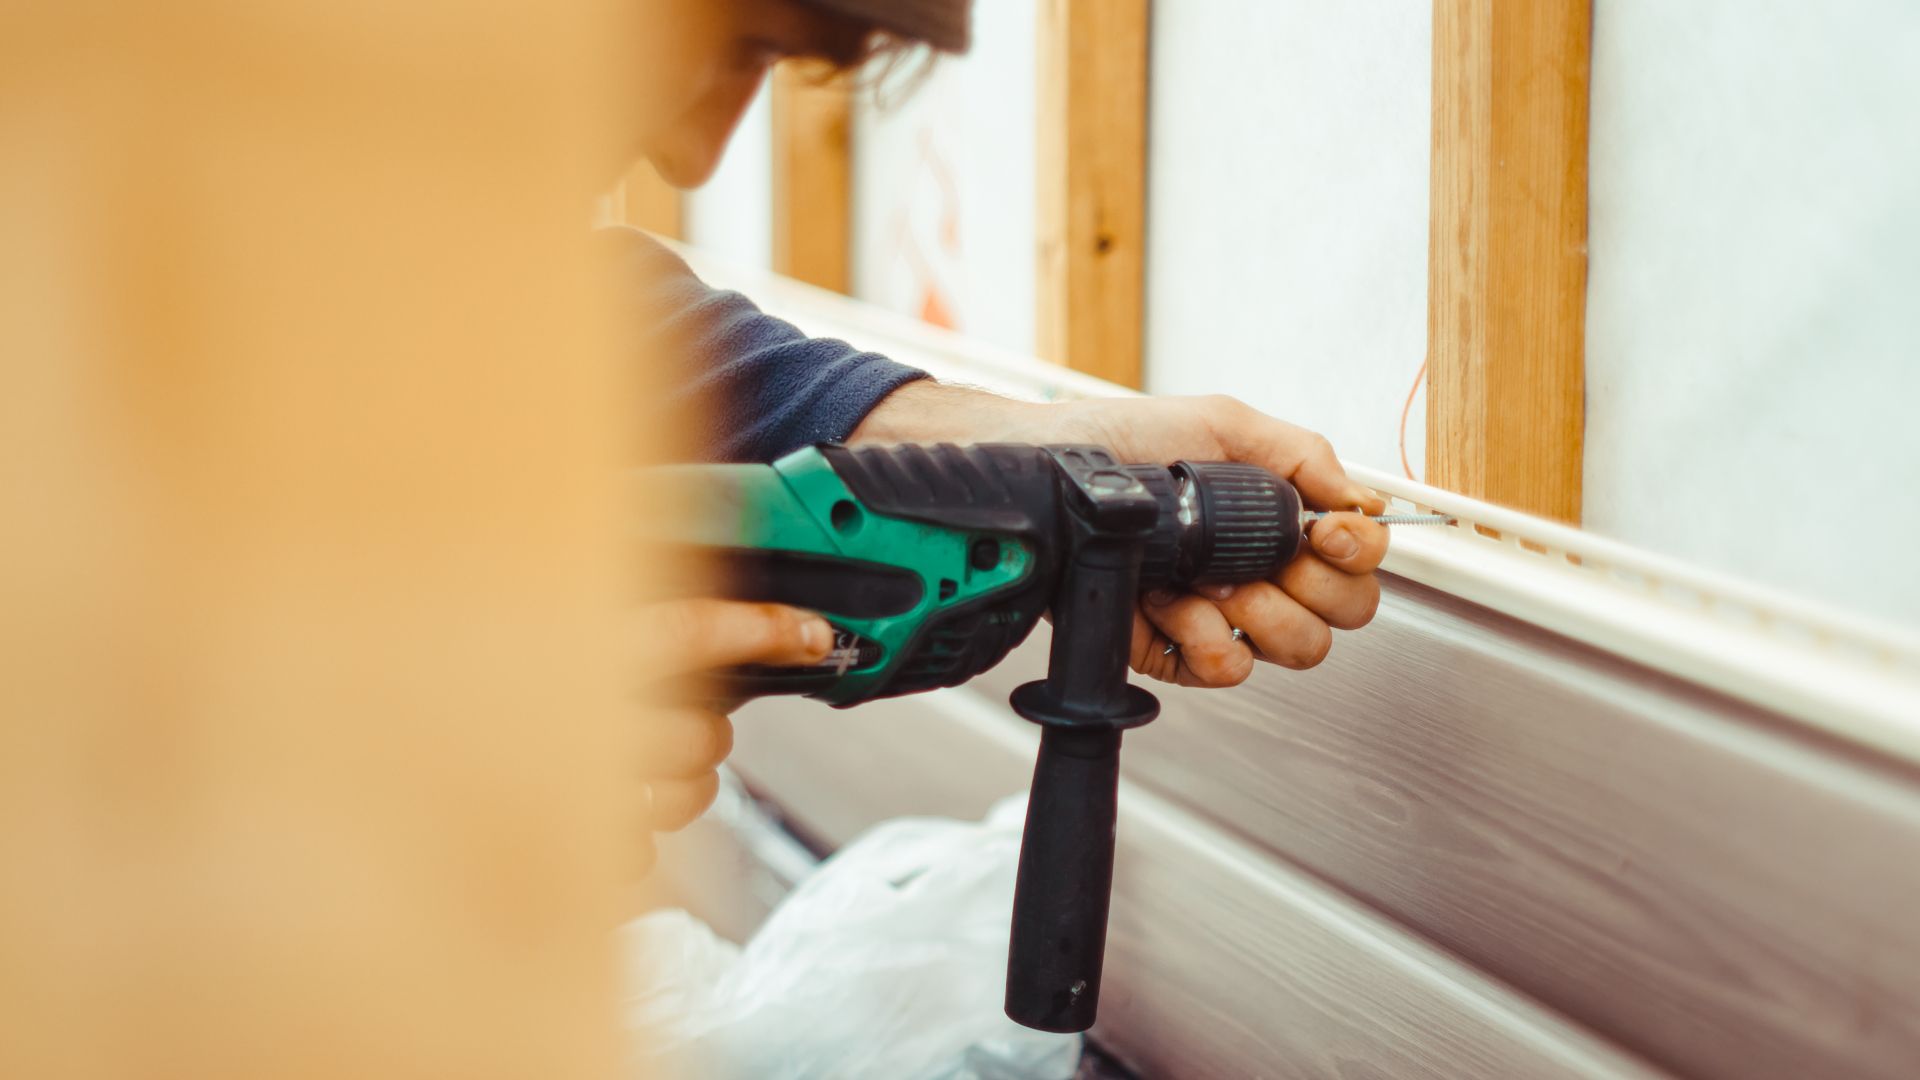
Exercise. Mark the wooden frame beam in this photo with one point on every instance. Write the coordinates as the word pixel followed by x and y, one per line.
pixel 1092 127
pixel 1507 261
pixel 812 176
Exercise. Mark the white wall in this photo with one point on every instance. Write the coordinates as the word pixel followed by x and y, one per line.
pixel 1753 348
pixel 943 186
pixel 732 214
pixel 1287 211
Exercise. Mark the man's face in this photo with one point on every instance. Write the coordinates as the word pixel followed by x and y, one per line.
pixel 701 63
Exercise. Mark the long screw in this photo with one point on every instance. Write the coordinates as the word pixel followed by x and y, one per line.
pixel 1391 519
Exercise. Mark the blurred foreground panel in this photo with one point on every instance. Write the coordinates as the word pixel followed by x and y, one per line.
pixel 307 765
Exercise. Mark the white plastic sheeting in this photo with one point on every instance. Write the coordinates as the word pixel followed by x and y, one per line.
pixel 1289 154
pixel 1753 319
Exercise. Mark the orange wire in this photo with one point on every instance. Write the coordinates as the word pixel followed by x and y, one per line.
pixel 1405 411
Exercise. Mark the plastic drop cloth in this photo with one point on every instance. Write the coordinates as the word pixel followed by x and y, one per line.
pixel 889 961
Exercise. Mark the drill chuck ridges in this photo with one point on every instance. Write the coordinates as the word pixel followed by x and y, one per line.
pixel 1248 517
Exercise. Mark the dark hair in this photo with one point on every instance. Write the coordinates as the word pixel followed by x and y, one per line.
pixel 873 59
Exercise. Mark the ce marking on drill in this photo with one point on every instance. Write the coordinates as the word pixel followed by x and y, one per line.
pixel 846 651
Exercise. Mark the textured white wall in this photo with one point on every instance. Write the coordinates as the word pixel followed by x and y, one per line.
pixel 1753 342
pixel 943 185
pixel 1287 211
pixel 732 214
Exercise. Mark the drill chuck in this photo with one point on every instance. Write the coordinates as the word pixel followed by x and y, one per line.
pixel 1220 522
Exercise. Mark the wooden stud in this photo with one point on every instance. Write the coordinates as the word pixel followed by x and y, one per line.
pixel 1092 185
pixel 812 176
pixel 648 202
pixel 1508 261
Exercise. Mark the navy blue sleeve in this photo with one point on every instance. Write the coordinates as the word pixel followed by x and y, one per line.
pixel 754 387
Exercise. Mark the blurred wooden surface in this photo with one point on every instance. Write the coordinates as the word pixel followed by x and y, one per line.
pixel 312 715
pixel 1507 274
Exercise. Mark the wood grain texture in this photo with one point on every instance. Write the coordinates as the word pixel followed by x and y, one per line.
pixel 812 176
pixel 1092 126
pixel 1507 259
pixel 1723 893
pixel 309 535
pixel 1221 961
pixel 648 202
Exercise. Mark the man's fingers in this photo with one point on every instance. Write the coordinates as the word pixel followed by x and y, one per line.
pixel 682 636
pixel 1347 601
pixel 1148 653
pixel 677 802
pixel 1208 655
pixel 1303 457
pixel 1354 543
pixel 683 743
pixel 1323 482
pixel 1284 631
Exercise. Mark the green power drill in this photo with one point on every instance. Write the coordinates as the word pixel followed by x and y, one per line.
pixel 933 562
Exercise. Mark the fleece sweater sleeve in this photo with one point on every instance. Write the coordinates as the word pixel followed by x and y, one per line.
pixel 750 386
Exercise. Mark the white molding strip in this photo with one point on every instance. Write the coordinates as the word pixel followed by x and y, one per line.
pixel 1850 675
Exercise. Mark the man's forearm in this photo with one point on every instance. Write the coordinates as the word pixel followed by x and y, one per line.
pixel 927 411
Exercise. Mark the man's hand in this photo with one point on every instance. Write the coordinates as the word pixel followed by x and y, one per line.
pixel 685 733
pixel 1289 620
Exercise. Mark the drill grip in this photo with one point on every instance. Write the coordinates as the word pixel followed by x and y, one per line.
pixel 1066 878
